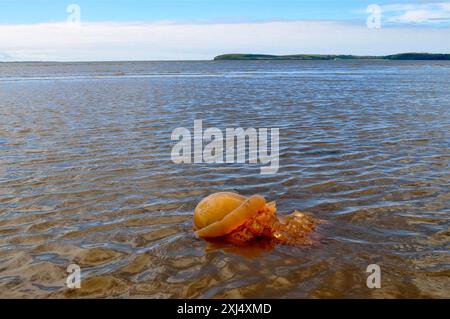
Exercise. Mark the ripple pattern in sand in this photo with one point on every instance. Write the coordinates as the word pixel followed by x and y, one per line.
pixel 86 177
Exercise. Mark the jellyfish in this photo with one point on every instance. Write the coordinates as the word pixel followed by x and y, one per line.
pixel 239 219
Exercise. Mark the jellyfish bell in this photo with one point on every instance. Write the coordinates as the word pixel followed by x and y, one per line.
pixel 215 207
pixel 221 213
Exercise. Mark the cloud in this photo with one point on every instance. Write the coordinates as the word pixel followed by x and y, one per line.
pixel 178 41
pixel 423 13
pixel 5 56
pixel 420 16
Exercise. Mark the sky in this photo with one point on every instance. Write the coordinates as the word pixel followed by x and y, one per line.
pixel 93 30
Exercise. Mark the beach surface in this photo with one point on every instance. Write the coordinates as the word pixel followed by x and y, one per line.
pixel 86 177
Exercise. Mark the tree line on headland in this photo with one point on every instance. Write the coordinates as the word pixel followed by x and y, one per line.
pixel 401 56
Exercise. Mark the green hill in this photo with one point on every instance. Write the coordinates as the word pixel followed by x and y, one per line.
pixel 401 56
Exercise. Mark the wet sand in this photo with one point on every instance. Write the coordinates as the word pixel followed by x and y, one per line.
pixel 86 178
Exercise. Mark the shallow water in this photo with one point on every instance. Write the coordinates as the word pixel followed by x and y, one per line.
pixel 86 177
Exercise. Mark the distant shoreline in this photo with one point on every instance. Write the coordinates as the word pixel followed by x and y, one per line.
pixel 269 57
pixel 401 56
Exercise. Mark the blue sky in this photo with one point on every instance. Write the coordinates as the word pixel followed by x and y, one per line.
pixel 199 29
pixel 35 11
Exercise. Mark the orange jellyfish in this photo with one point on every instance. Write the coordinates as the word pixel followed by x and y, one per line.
pixel 239 219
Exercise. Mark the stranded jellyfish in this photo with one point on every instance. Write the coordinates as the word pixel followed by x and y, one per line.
pixel 239 219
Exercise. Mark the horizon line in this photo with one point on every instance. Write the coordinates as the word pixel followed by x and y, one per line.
pixel 212 59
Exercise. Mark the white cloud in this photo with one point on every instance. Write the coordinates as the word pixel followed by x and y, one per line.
pixel 422 13
pixel 420 16
pixel 171 41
